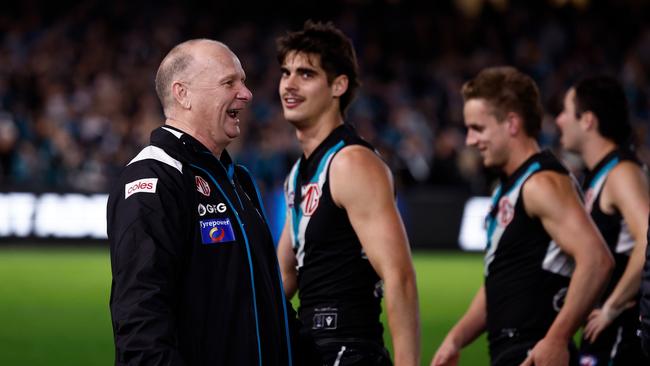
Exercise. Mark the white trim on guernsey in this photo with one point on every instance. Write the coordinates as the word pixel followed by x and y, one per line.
pixel 625 242
pixel 319 178
pixel 174 132
pixel 557 261
pixel 619 338
pixel 339 356
pixel 156 153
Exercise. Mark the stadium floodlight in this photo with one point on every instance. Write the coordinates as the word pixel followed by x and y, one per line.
pixel 473 235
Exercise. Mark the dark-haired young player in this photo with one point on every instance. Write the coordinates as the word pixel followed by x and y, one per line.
pixel 595 124
pixel 343 235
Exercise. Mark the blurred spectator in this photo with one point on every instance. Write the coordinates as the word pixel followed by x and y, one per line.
pixel 76 96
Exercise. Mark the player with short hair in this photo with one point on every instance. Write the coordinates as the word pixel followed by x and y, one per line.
pixel 343 235
pixel 545 262
pixel 594 123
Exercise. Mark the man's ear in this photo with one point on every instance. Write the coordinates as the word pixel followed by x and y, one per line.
pixel 588 121
pixel 515 123
pixel 339 85
pixel 181 95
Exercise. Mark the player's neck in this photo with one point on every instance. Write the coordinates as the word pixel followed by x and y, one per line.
pixel 595 149
pixel 519 153
pixel 312 135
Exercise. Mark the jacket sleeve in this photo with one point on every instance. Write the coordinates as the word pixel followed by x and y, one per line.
pixel 146 231
pixel 645 303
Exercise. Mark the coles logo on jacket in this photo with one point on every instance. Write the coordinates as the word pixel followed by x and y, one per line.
pixel 147 185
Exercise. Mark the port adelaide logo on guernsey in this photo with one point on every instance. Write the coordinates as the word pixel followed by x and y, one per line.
pixel 506 211
pixel 147 185
pixel 311 197
pixel 202 186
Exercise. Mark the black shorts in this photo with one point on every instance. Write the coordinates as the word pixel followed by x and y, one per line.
pixel 352 352
pixel 511 349
pixel 617 345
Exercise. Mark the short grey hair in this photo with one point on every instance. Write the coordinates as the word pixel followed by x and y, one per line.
pixel 176 62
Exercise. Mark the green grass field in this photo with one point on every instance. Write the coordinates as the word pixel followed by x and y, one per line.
pixel 54 305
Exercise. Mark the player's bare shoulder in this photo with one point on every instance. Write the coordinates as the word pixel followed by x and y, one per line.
pixel 547 192
pixel 627 173
pixel 358 171
pixel 626 183
pixel 357 159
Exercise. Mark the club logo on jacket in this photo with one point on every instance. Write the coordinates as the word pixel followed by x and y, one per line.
pixel 310 198
pixel 506 211
pixel 202 186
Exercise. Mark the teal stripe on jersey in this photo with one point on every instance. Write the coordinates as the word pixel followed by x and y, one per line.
pixel 609 166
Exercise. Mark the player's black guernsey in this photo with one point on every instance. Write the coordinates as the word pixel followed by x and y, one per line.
pixel 613 228
pixel 526 273
pixel 339 291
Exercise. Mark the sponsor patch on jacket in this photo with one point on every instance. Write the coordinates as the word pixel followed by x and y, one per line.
pixel 147 185
pixel 214 231
pixel 211 208
pixel 202 186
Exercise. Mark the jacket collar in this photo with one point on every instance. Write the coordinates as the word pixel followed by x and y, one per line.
pixel 186 147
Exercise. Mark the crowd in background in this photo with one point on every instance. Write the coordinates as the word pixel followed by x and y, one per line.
pixel 77 99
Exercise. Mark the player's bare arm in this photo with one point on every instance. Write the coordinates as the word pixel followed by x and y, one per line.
pixel 287 260
pixel 362 184
pixel 553 198
pixel 625 191
pixel 466 330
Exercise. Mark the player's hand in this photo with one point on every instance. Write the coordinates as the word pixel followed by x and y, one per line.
pixel 548 352
pixel 599 319
pixel 447 354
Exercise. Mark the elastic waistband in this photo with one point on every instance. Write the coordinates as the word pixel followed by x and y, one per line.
pixel 360 343
pixel 507 335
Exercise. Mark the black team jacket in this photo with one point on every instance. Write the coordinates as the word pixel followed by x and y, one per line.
pixel 195 273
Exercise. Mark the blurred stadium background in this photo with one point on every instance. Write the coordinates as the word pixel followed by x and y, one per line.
pixel 77 102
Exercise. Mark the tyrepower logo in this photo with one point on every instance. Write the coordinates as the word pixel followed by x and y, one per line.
pixel 216 231
pixel 141 185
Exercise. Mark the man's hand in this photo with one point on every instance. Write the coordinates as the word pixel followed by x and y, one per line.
pixel 548 352
pixel 447 354
pixel 599 319
pixel 468 328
